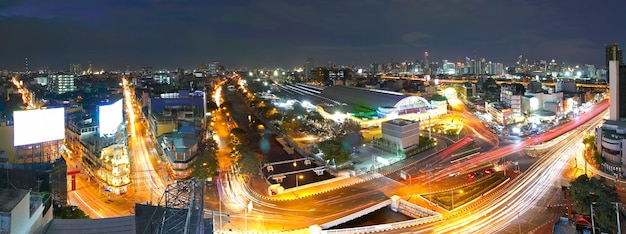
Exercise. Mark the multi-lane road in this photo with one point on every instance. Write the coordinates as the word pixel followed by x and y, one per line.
pixel 491 214
pixel 149 185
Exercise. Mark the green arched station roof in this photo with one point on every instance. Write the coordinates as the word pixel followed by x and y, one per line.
pixel 372 99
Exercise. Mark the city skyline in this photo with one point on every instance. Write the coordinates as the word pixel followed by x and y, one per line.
pixel 167 34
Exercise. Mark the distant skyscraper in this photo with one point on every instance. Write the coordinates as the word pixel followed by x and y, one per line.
pixel 308 67
pixel 75 69
pixel 426 63
pixel 212 67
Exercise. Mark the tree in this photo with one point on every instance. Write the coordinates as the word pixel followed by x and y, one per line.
pixel 585 190
pixel 227 104
pixel 315 116
pixel 205 165
pixel 249 163
pixel 239 133
pixel 68 212
pixel 332 150
pixel 211 106
pixel 350 126
pixel 589 140
pixel 298 109
pixel 590 144
pixel 273 116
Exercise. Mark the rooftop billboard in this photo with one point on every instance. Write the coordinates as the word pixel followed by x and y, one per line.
pixel 110 117
pixel 36 126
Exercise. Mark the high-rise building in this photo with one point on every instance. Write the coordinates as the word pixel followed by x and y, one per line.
pixel 75 69
pixel 617 74
pixel 613 52
pixel 62 83
pixel 426 63
pixel 611 136
pixel 309 66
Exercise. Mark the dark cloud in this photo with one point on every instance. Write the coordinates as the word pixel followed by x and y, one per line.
pixel 115 34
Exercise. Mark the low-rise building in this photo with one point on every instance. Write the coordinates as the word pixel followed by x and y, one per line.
pixel 610 141
pixel 501 115
pixel 23 212
pixel 401 133
pixel 543 103
pixel 180 150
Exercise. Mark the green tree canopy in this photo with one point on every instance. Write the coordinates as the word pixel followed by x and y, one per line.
pixel 333 150
pixel 589 140
pixel 248 161
pixel 205 165
pixel 68 212
pixel 211 106
pixel 585 190
pixel 298 109
pixel 239 133
pixel 315 116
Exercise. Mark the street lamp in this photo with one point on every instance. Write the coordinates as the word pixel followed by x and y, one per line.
pixel 452 194
pixel 299 177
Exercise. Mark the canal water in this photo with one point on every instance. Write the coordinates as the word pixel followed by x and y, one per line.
pixel 380 216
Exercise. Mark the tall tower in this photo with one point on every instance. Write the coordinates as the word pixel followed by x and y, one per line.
pixel 426 64
pixel 26 63
pixel 617 107
pixel 308 67
pixel 89 71
pixel 613 52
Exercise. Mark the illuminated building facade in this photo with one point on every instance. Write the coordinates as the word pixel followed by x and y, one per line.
pixel 115 169
pixel 511 97
pixel 383 102
pixel 498 113
pixel 62 83
pixel 551 102
pixel 170 109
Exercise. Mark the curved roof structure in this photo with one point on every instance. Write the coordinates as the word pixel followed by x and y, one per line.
pixel 373 99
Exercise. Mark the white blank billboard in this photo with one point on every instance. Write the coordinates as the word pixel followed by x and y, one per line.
pixel 110 117
pixel 36 126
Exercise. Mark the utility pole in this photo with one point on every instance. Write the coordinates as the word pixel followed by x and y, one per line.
pixel 504 165
pixel 430 196
pixel 593 224
pixel 411 185
pixel 452 195
pixel 430 128
pixel 619 228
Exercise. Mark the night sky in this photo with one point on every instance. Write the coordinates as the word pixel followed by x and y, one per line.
pixel 120 34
